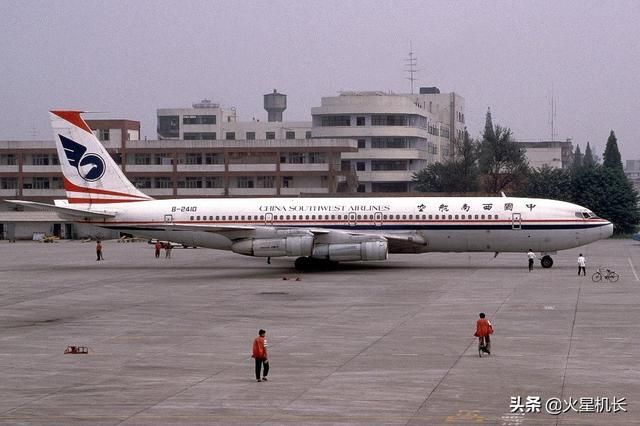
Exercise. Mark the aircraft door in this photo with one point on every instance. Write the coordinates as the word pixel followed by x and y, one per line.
pixel 516 221
pixel 168 218
pixel 377 219
pixel 352 218
pixel 268 219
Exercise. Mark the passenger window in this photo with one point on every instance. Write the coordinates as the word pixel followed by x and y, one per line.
pixel 313 217
pixel 456 217
pixel 197 217
pixel 191 218
pixel 333 217
pixel 482 217
pixel 476 217
pixel 261 217
pixel 430 217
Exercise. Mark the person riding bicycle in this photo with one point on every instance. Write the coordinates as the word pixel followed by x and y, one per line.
pixel 483 330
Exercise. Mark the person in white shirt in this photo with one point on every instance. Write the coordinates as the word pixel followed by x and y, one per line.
pixel 582 263
pixel 531 255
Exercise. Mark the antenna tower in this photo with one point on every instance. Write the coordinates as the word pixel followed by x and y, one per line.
pixel 552 115
pixel 411 63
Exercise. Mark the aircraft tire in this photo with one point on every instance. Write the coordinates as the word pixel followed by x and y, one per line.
pixel 303 263
pixel 546 262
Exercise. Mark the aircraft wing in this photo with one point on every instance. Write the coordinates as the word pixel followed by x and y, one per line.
pixel 65 211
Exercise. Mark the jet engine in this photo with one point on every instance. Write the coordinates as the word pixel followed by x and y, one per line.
pixel 367 250
pixel 274 247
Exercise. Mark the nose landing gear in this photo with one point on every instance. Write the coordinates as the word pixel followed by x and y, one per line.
pixel 546 261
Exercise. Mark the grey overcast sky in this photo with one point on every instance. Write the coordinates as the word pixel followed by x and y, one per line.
pixel 129 58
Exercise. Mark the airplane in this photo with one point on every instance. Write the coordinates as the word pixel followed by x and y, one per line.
pixel 316 231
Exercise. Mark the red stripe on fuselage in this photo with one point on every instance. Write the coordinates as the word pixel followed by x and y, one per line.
pixel 70 186
pixel 100 200
pixel 74 118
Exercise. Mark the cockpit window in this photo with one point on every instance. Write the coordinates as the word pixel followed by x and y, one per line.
pixel 585 214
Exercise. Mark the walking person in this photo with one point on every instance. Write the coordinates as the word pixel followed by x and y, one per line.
pixel 99 251
pixel 532 256
pixel 260 355
pixel 484 329
pixel 582 265
pixel 158 247
pixel 167 251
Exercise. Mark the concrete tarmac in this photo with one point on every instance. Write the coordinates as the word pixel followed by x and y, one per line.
pixel 367 343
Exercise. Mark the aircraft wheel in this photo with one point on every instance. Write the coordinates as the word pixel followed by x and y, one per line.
pixel 546 262
pixel 303 263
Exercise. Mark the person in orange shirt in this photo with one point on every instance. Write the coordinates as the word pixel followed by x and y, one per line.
pixel 99 250
pixel 483 330
pixel 260 355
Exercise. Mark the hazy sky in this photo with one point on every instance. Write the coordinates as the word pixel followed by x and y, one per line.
pixel 129 58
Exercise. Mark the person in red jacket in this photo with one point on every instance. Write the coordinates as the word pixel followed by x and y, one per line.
pixel 483 330
pixel 260 355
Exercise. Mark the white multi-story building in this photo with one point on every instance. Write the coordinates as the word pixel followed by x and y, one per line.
pixel 398 134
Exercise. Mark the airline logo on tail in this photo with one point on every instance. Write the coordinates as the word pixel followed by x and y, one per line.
pixel 90 166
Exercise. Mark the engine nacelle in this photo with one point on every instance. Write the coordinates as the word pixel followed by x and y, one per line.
pixel 368 250
pixel 275 247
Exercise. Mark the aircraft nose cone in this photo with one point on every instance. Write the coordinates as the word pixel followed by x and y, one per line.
pixel 607 230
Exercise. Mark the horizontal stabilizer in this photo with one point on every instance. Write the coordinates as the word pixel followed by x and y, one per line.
pixel 66 211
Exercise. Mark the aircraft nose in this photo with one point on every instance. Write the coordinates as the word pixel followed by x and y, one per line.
pixel 607 230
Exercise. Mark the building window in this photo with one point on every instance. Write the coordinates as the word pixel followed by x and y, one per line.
pixel 168 126
pixel 316 158
pixel 193 158
pixel 266 181
pixel 245 182
pixel 230 136
pixel 163 182
pixel 290 135
pixel 389 143
pixel 200 136
pixel 7 160
pixel 162 159
pixel 103 134
pixel 213 182
pixel 360 166
pixel 335 120
pixel 307 134
pixel 40 183
pixel 40 159
pixel 141 182
pixel 388 165
pixel 193 182
pixel 287 181
pixel 213 158
pixel 142 159
pixel 250 136
pixel 362 143
pixel 361 188
pixel 271 135
pixel 199 119
pixel 359 121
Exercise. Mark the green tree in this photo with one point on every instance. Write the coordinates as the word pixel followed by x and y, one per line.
pixel 501 161
pixel 457 175
pixel 466 159
pixel 609 194
pixel 548 182
pixel 588 160
pixel 577 157
pixel 612 157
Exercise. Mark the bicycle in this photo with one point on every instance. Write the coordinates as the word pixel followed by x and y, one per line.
pixel 607 274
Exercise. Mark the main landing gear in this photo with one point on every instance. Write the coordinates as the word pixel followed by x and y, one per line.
pixel 546 261
pixel 310 263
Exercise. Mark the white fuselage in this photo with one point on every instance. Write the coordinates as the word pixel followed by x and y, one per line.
pixel 456 224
